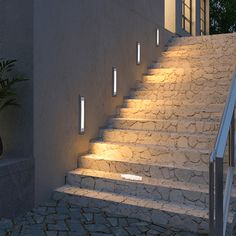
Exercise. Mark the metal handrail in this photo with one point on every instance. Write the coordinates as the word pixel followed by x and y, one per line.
pixel 219 201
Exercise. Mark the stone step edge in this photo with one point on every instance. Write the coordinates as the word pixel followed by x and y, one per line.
pixel 145 180
pixel 153 146
pixel 170 133
pixel 146 162
pixel 133 201
pixel 71 191
pixel 165 183
pixel 167 102
pixel 162 120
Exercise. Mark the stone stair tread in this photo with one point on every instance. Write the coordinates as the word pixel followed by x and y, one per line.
pixel 171 133
pixel 176 102
pixel 133 200
pixel 145 180
pixel 159 147
pixel 136 201
pixel 185 106
pixel 173 184
pixel 145 161
pixel 159 120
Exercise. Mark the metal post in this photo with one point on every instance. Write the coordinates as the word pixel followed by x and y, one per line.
pixel 219 197
pixel 231 142
pixel 211 198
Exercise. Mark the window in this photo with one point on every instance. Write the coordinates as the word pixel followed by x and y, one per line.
pixel 187 15
pixel 203 17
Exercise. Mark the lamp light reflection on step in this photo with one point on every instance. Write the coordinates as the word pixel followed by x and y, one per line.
pixel 131 177
pixel 114 81
pixel 82 114
pixel 138 53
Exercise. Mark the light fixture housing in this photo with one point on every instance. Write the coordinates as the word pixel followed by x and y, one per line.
pixel 138 53
pixel 157 37
pixel 114 81
pixel 81 114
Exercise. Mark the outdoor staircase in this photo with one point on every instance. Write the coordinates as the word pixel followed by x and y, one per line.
pixel 164 133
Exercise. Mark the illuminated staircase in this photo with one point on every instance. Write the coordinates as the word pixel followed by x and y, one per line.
pixel 163 137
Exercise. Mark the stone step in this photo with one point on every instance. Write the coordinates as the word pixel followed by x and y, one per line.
pixel 173 139
pixel 220 75
pixel 175 101
pixel 149 188
pixel 146 167
pixel 186 97
pixel 195 85
pixel 189 218
pixel 194 59
pixel 222 40
pixel 168 112
pixel 218 65
pixel 147 153
pixel 195 51
pixel 208 127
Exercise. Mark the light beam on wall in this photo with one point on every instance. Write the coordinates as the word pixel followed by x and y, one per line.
pixel 157 37
pixel 82 114
pixel 138 53
pixel 114 81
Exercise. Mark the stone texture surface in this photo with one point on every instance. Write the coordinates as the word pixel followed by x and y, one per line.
pixel 164 133
pixel 58 218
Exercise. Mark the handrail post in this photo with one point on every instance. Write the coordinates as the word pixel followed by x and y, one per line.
pixel 218 196
pixel 211 197
pixel 232 142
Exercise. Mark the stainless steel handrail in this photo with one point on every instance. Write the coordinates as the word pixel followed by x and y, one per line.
pixel 219 201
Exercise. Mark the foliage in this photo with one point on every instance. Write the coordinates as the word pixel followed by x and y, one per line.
pixel 222 16
pixel 8 96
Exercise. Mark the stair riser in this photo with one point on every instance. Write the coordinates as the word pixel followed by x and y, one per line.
pixel 166 193
pixel 175 104
pixel 139 189
pixel 155 138
pixel 219 65
pixel 169 98
pixel 188 175
pixel 161 217
pixel 224 41
pixel 195 86
pixel 168 125
pixel 191 52
pixel 168 114
pixel 151 154
pixel 206 59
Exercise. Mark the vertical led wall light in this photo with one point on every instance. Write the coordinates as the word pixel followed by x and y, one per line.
pixel 82 114
pixel 138 53
pixel 114 81
pixel 157 37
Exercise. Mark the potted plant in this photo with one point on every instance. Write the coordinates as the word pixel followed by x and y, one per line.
pixel 8 96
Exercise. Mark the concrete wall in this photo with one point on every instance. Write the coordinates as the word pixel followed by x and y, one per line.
pixel 76 43
pixel 16 125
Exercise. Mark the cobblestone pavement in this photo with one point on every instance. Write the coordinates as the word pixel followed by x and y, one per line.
pixel 57 218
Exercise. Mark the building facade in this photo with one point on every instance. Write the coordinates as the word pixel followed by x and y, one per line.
pixel 68 50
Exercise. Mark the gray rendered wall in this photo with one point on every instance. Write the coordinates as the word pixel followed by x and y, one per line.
pixel 16 125
pixel 76 43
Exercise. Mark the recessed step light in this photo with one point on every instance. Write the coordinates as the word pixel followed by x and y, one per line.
pixel 82 114
pixel 114 81
pixel 138 53
pixel 132 177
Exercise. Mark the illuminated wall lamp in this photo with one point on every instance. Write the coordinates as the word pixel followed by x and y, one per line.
pixel 138 53
pixel 157 37
pixel 114 81
pixel 82 114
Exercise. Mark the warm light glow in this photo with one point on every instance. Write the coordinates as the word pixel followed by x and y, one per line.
pixel 82 114
pixel 138 50
pixel 114 81
pixel 157 37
